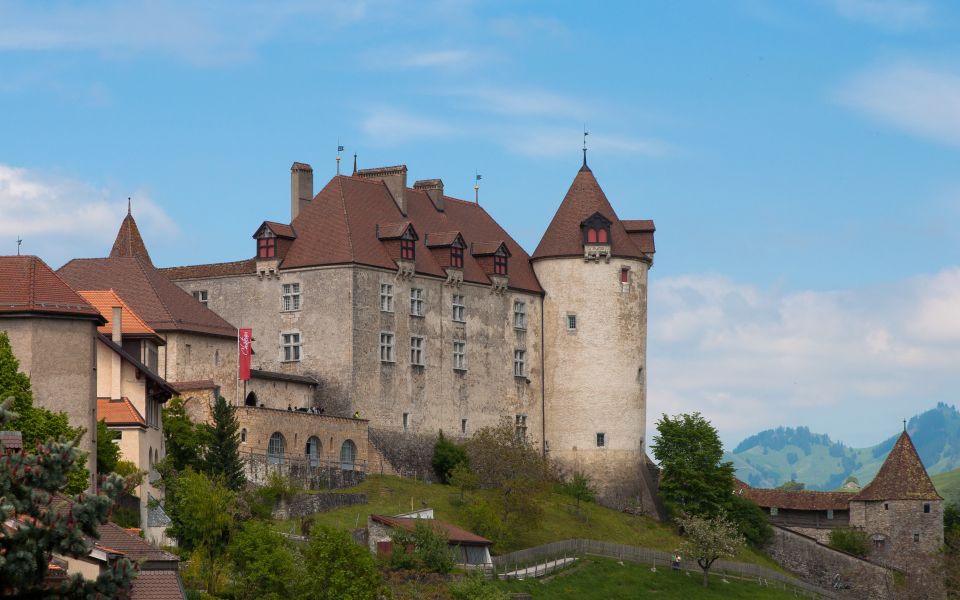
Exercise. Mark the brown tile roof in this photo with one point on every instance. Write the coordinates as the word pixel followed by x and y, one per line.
pixel 279 229
pixel 157 585
pixel 637 225
pixel 161 388
pixel 802 500
pixel 119 412
pixel 275 376
pixel 28 285
pixel 564 236
pixel 129 242
pixel 133 546
pixel 225 269
pixel 454 534
pixel 130 322
pixel 11 440
pixel 340 227
pixel 163 305
pixel 392 231
pixel 485 248
pixel 901 476
pixel 441 239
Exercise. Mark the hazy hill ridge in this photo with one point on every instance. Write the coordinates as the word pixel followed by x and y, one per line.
pixel 775 456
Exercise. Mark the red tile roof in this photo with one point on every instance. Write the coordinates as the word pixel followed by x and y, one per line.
pixel 564 236
pixel 163 305
pixel 485 248
pixel 131 545
pixel 801 500
pixel 455 535
pixel 130 322
pixel 340 227
pixel 129 243
pixel 157 585
pixel 392 231
pixel 28 285
pixel 901 476
pixel 119 412
pixel 225 269
pixel 441 239
pixel 279 229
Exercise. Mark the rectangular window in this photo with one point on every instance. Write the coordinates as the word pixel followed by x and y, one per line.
pixel 386 297
pixel 406 249
pixel 458 308
pixel 571 322
pixel 290 345
pixel 406 420
pixel 153 413
pixel 926 508
pixel 519 363
pixel 519 314
pixel 456 257
pixel 625 275
pixel 829 514
pixel 290 296
pixel 520 425
pixel 416 350
pixel 201 296
pixel 463 425
pixel 601 440
pixel 266 247
pixel 416 302
pixel 500 264
pixel 460 355
pixel 916 537
pixel 774 511
pixel 386 347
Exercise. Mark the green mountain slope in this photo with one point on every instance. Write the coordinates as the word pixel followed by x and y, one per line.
pixel 775 456
pixel 948 484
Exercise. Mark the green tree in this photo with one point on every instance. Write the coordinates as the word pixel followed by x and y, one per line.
pixel 263 564
pixel 28 483
pixel 464 479
pixel 695 479
pixel 431 549
pixel 223 452
pixel 36 424
pixel 853 541
pixel 108 453
pixel 186 441
pixel 338 568
pixel 578 488
pixel 203 518
pixel 792 486
pixel 707 539
pixel 447 456
pixel 751 521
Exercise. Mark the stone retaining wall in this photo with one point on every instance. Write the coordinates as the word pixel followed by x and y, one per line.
pixel 303 505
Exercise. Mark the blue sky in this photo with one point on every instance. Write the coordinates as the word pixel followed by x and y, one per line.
pixel 799 159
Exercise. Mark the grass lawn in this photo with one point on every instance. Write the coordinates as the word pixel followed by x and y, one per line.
pixel 601 579
pixel 393 495
pixel 948 484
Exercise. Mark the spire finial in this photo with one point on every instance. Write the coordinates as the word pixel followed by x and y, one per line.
pixel 129 213
pixel 476 187
pixel 339 150
pixel 354 164
pixel 19 241
pixel 585 134
pixel 904 425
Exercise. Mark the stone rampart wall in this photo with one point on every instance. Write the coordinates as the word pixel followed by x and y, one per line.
pixel 303 505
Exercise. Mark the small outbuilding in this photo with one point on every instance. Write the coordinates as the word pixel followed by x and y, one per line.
pixel 468 548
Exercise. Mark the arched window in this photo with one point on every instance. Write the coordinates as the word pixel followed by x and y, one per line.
pixel 251 399
pixel 313 451
pixel 591 236
pixel 348 455
pixel 275 449
pixel 243 435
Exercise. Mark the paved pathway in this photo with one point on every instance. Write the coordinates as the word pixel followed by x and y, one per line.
pixel 538 570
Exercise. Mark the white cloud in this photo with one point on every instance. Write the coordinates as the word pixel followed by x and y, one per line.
pixel 409 58
pixel 56 216
pixel 521 102
pixel 842 361
pixel 561 142
pixel 919 100
pixel 387 125
pixel 887 14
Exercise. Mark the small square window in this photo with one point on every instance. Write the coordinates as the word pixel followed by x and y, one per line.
pixel 916 537
pixel 416 350
pixel 601 440
pixel 774 511
pixel 571 322
pixel 830 514
pixel 386 347
pixel 290 298
pixel 416 302
pixel 386 297
pixel 266 247
pixel 201 296
pixel 926 507
pixel 520 425
pixel 886 507
pixel 407 251
pixel 519 363
pixel 290 347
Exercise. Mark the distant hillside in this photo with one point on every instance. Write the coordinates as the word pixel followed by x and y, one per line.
pixel 775 456
pixel 948 484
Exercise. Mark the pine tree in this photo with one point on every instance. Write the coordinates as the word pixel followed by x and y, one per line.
pixel 34 423
pixel 46 522
pixel 223 453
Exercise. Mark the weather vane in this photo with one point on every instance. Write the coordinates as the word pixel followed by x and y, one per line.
pixel 476 187
pixel 585 134
pixel 339 150
pixel 19 241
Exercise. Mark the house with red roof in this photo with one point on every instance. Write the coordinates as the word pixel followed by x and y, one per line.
pixel 468 548
pixel 419 311
pixel 52 331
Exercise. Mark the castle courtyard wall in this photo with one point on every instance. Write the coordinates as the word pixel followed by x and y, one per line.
pixel 898 521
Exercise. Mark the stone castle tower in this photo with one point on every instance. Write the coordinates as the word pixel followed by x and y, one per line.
pixel 593 269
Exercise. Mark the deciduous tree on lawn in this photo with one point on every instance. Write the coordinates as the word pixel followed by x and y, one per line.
pixel 707 539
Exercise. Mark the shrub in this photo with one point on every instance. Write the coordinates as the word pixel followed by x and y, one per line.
pixel 338 568
pixel 751 521
pixel 483 520
pixel 854 541
pixel 447 455
pixel 474 587
pixel 431 551
pixel 578 488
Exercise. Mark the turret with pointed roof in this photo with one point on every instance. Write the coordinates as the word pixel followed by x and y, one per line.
pixel 129 242
pixel 901 477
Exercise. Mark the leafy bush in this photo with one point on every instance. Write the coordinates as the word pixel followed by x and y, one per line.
pixel 578 488
pixel 338 568
pixel 854 541
pixel 447 456
pixel 483 520
pixel 751 521
pixel 264 566
pixel 431 551
pixel 474 587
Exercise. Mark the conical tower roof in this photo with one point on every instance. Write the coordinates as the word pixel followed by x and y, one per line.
pixel 901 477
pixel 584 198
pixel 129 243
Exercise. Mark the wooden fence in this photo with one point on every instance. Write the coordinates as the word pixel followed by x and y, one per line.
pixel 550 557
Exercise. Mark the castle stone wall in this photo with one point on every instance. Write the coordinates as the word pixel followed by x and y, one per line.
pixel 898 521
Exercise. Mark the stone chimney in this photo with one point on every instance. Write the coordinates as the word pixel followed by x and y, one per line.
pixel 434 189
pixel 301 187
pixel 116 365
pixel 395 178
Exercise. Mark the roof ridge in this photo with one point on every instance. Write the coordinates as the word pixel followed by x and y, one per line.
pixel 156 292
pixel 346 213
pixel 213 264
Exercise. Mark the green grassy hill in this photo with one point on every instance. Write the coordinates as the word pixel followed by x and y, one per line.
pixel 393 495
pixel 601 579
pixel 948 484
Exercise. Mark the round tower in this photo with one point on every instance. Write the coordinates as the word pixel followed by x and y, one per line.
pixel 593 269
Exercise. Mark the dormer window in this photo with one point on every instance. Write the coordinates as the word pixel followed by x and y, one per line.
pixel 500 263
pixel 407 250
pixel 456 257
pixel 267 247
pixel 596 229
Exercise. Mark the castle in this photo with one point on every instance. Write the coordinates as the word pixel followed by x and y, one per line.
pixel 419 312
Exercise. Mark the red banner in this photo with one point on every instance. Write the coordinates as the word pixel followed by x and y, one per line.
pixel 243 345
